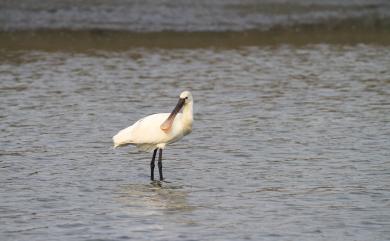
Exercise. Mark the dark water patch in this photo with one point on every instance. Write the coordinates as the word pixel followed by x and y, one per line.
pixel 87 41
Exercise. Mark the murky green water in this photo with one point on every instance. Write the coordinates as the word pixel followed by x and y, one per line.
pixel 289 143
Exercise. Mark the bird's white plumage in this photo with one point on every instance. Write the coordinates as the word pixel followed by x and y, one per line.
pixel 147 134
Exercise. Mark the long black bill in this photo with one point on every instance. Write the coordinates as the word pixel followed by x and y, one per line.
pixel 166 126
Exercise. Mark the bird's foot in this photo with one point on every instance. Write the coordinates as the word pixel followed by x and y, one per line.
pixel 155 183
pixel 158 183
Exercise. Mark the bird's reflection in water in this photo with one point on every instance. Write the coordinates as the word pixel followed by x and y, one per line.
pixel 156 198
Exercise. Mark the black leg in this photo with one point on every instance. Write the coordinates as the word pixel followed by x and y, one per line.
pixel 152 165
pixel 160 165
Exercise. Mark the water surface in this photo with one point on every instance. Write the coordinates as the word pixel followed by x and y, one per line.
pixel 289 143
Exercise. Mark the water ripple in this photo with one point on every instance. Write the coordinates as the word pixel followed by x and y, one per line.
pixel 289 143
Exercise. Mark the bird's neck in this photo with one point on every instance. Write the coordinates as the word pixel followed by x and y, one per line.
pixel 188 116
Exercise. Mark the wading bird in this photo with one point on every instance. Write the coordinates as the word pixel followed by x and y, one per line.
pixel 154 132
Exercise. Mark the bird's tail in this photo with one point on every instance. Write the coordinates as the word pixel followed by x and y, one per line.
pixel 117 142
pixel 123 138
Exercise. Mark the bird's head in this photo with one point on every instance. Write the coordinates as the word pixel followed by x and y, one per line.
pixel 186 96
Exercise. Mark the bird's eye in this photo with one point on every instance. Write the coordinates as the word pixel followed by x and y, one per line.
pixel 186 98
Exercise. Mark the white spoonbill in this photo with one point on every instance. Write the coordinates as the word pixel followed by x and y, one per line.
pixel 154 132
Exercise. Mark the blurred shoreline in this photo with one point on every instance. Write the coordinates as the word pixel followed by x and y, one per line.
pixel 121 24
pixel 110 40
pixel 190 16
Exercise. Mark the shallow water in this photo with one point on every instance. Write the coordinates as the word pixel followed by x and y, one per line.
pixel 289 143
